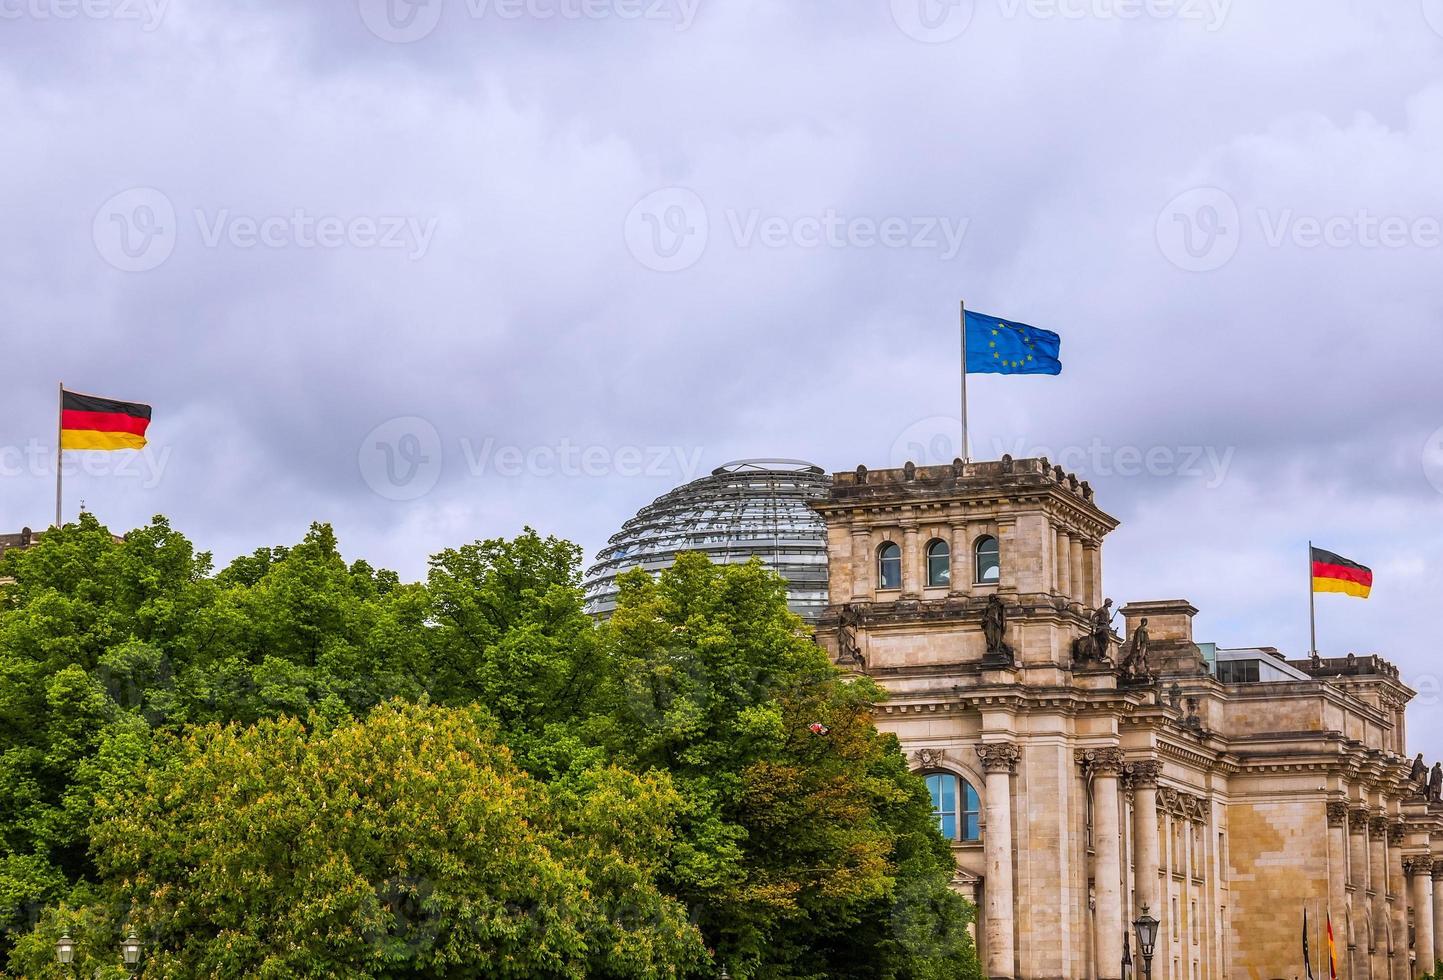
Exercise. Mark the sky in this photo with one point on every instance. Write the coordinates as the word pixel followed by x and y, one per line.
pixel 434 271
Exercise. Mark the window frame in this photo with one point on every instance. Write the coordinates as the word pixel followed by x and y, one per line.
pixel 996 553
pixel 966 812
pixel 946 557
pixel 883 558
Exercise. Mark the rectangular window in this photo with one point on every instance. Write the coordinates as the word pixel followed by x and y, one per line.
pixel 1238 671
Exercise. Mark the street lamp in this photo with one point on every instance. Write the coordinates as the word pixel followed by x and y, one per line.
pixel 130 952
pixel 65 949
pixel 1146 927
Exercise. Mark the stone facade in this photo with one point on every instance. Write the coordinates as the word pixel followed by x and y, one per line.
pixel 1106 781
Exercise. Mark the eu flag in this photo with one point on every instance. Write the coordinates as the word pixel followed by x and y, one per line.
pixel 1005 347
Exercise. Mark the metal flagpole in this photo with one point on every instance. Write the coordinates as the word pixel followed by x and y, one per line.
pixel 1312 603
pixel 59 434
pixel 966 447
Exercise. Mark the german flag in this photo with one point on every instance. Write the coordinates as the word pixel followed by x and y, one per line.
pixel 89 422
pixel 1333 573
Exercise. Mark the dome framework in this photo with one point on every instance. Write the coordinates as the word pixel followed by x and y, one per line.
pixel 744 509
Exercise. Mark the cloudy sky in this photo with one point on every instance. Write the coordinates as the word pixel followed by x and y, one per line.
pixel 432 271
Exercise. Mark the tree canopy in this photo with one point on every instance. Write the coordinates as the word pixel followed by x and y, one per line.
pixel 303 766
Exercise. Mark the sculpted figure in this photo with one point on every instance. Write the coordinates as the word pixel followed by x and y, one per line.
pixel 1435 784
pixel 994 627
pixel 1419 773
pixel 1136 664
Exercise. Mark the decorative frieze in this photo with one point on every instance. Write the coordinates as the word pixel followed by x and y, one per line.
pixel 999 757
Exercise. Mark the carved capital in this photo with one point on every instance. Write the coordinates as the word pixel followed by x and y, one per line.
pixel 1438 869
pixel 1101 760
pixel 1358 820
pixel 1143 773
pixel 1337 814
pixel 1378 826
pixel 999 757
pixel 1418 864
pixel 1395 832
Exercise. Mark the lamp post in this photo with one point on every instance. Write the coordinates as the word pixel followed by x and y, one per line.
pixel 130 952
pixel 65 949
pixel 1146 927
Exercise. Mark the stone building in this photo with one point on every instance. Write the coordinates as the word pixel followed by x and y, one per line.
pixel 1083 775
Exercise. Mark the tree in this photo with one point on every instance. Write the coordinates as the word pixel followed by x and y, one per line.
pixel 407 844
pixel 808 849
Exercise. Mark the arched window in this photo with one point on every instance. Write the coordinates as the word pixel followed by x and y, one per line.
pixel 889 566
pixel 956 806
pixel 989 563
pixel 939 564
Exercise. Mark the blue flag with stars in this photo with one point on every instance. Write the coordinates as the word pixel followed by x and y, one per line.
pixel 1005 347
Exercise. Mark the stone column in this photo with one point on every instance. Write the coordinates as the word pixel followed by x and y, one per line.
pixel 1094 573
pixel 862 564
pixel 1338 872
pixel 963 574
pixel 1398 902
pixel 911 559
pixel 1378 882
pixel 1105 766
pixel 1143 778
pixel 999 759
pixel 1358 949
pixel 1064 562
pixel 1420 869
pixel 1437 912
pixel 1079 588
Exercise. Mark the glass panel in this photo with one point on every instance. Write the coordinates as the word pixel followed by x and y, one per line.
pixel 972 812
pixel 939 564
pixel 948 825
pixel 943 787
pixel 989 568
pixel 972 828
pixel 889 570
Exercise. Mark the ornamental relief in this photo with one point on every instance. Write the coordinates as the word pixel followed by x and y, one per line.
pixel 930 759
pixel 1183 805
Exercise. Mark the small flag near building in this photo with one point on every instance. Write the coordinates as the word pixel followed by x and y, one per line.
pixel 1332 951
pixel 1334 573
pixel 90 422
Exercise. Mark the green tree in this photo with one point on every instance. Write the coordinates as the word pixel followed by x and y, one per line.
pixel 807 849
pixel 407 844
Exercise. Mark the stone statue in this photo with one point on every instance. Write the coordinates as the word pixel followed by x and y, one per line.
pixel 994 628
pixel 1136 664
pixel 1435 784
pixel 1093 646
pixel 848 652
pixel 1419 773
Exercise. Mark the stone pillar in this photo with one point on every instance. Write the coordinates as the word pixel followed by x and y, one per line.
pixel 1437 912
pixel 1378 883
pixel 863 564
pixel 1079 587
pixel 1064 562
pixel 1143 778
pixel 1421 871
pixel 1338 873
pixel 963 574
pixel 1094 575
pixel 1105 766
pixel 911 562
pixel 1358 948
pixel 1398 903
pixel 999 759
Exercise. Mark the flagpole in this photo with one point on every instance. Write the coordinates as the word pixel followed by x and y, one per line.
pixel 1312 604
pixel 966 448
pixel 59 435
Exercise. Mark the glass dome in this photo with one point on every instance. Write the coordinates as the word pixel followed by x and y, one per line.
pixel 749 508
